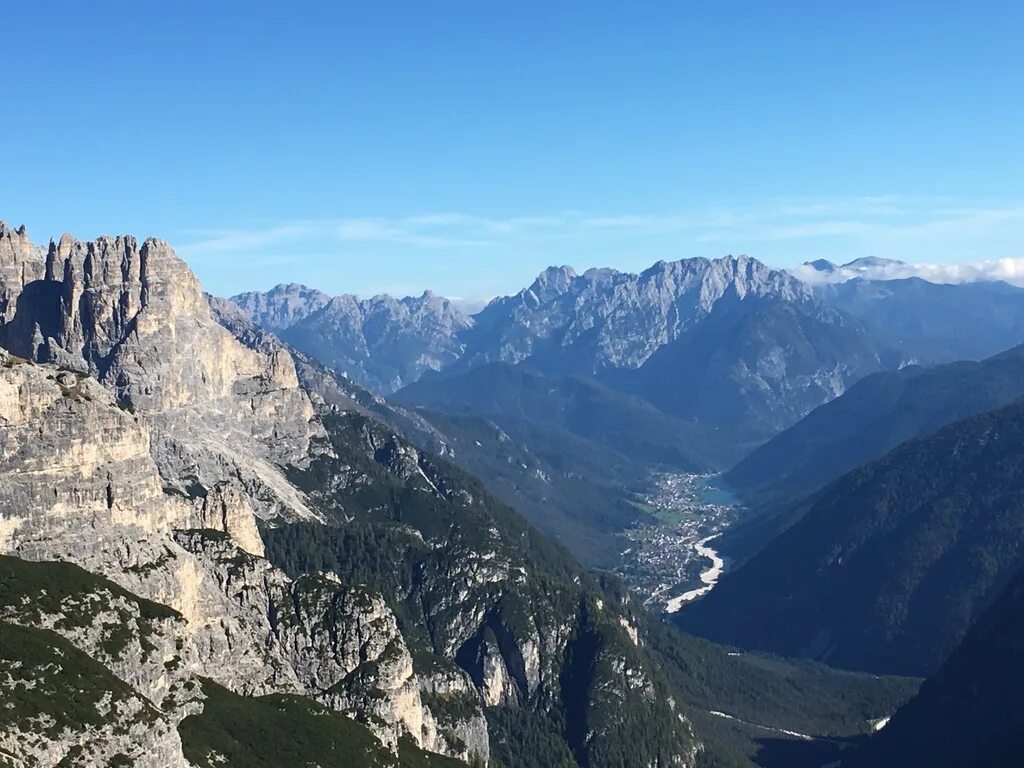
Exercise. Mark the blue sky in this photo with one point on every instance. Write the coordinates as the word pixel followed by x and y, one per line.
pixel 395 146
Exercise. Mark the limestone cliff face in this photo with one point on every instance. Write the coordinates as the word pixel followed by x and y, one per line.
pixel 70 458
pixel 135 318
pixel 20 264
pixel 74 463
pixel 79 484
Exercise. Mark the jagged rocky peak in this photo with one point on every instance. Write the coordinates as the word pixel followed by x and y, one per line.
pixel 21 263
pixel 430 302
pixel 282 306
pixel 552 282
pixel 623 317
pixel 741 274
pixel 134 317
pixel 287 305
pixel 381 342
pixel 428 313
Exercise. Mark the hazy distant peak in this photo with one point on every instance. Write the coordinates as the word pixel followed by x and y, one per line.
pixel 282 306
pixel 1009 270
pixel 870 262
pixel 557 278
pixel 820 265
pixel 552 282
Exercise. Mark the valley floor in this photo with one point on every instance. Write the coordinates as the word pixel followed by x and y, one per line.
pixel 671 561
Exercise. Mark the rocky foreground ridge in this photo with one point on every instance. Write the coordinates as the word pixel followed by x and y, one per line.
pixel 151 461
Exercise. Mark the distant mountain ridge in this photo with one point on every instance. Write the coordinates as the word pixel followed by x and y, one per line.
pixel 381 342
pixel 282 306
pixel 738 337
pixel 631 315
pixel 605 319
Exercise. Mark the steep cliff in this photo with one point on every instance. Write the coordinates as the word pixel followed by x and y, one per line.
pixel 135 318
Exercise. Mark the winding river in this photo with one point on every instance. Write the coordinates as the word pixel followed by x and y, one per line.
pixel 708 577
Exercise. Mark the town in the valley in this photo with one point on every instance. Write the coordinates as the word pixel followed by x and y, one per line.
pixel 671 561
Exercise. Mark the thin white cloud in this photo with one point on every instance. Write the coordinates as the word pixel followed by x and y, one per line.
pixel 235 240
pixel 930 230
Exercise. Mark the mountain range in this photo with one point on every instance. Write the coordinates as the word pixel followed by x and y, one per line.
pixel 626 331
pixel 729 344
pixel 383 343
pixel 686 366
pixel 217 549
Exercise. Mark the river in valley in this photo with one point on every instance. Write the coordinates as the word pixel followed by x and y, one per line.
pixel 671 560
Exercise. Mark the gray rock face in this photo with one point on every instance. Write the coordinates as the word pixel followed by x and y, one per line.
pixel 282 306
pixel 605 319
pixel 135 318
pixel 69 453
pixel 20 264
pixel 383 343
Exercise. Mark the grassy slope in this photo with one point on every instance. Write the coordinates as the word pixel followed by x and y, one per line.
pixel 281 730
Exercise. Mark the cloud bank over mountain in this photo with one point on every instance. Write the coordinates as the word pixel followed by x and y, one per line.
pixel 1010 270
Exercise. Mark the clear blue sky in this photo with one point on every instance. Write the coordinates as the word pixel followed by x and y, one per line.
pixel 386 146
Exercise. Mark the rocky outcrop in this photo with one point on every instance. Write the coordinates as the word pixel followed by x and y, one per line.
pixel 337 644
pixel 226 508
pixel 135 318
pixel 21 263
pixel 68 454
